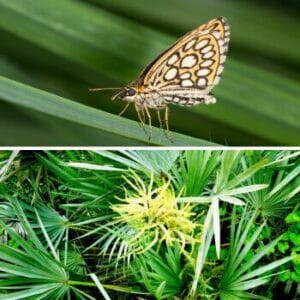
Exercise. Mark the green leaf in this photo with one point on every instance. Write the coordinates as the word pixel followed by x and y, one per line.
pixel 231 200
pixel 283 246
pixel 244 189
pixel 292 175
pixel 293 217
pixel 195 170
pixel 206 238
pixel 241 274
pixel 160 273
pixel 285 276
pixel 156 162
pixel 17 93
pixel 296 277
pixel 190 12
pixel 240 178
pixel 100 287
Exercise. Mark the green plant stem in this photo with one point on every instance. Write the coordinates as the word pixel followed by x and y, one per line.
pixel 81 283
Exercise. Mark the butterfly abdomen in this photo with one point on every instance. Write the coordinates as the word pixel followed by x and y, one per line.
pixel 190 100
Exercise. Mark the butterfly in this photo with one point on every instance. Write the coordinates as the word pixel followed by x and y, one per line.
pixel 184 74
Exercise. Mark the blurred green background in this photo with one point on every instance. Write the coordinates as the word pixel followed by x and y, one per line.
pixel 64 47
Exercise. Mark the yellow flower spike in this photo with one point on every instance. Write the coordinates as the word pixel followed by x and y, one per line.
pixel 152 212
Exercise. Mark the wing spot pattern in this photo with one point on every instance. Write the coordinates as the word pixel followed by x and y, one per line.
pixel 189 61
pixel 201 44
pixel 171 74
pixel 207 63
pixel 201 82
pixel 189 45
pixel 222 59
pixel 173 59
pixel 208 55
pixel 186 83
pixel 186 75
pixel 203 72
pixel 220 70
pixel 206 49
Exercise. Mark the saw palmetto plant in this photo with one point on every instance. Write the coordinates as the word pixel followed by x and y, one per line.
pixel 52 52
pixel 149 224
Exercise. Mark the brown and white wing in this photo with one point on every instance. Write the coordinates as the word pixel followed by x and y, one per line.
pixel 195 62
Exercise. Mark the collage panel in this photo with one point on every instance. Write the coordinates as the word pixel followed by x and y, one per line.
pixel 149 224
pixel 181 73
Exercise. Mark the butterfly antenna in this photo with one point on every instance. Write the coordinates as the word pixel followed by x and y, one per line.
pixel 104 89
pixel 116 95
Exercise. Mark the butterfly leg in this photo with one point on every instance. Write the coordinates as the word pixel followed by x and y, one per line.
pixel 141 115
pixel 138 111
pixel 167 130
pixel 124 109
pixel 159 119
pixel 161 125
pixel 149 121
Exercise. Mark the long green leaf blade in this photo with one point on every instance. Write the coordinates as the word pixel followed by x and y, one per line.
pixel 17 93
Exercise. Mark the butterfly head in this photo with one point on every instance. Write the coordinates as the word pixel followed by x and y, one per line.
pixel 128 94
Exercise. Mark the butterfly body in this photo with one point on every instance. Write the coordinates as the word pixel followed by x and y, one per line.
pixel 142 97
pixel 185 73
pixel 159 99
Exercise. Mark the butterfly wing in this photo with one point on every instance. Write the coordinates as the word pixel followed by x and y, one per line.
pixel 194 63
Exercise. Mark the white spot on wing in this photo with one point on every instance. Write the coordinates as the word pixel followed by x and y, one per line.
pixel 206 49
pixel 201 44
pixel 189 61
pixel 217 80
pixel 222 49
pixel 216 34
pixel 210 100
pixel 189 45
pixel 187 83
pixel 222 59
pixel 207 63
pixel 220 69
pixel 171 74
pixel 203 72
pixel 173 59
pixel 182 102
pixel 208 55
pixel 201 82
pixel 185 75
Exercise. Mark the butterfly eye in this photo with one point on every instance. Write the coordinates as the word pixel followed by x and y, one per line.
pixel 131 92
